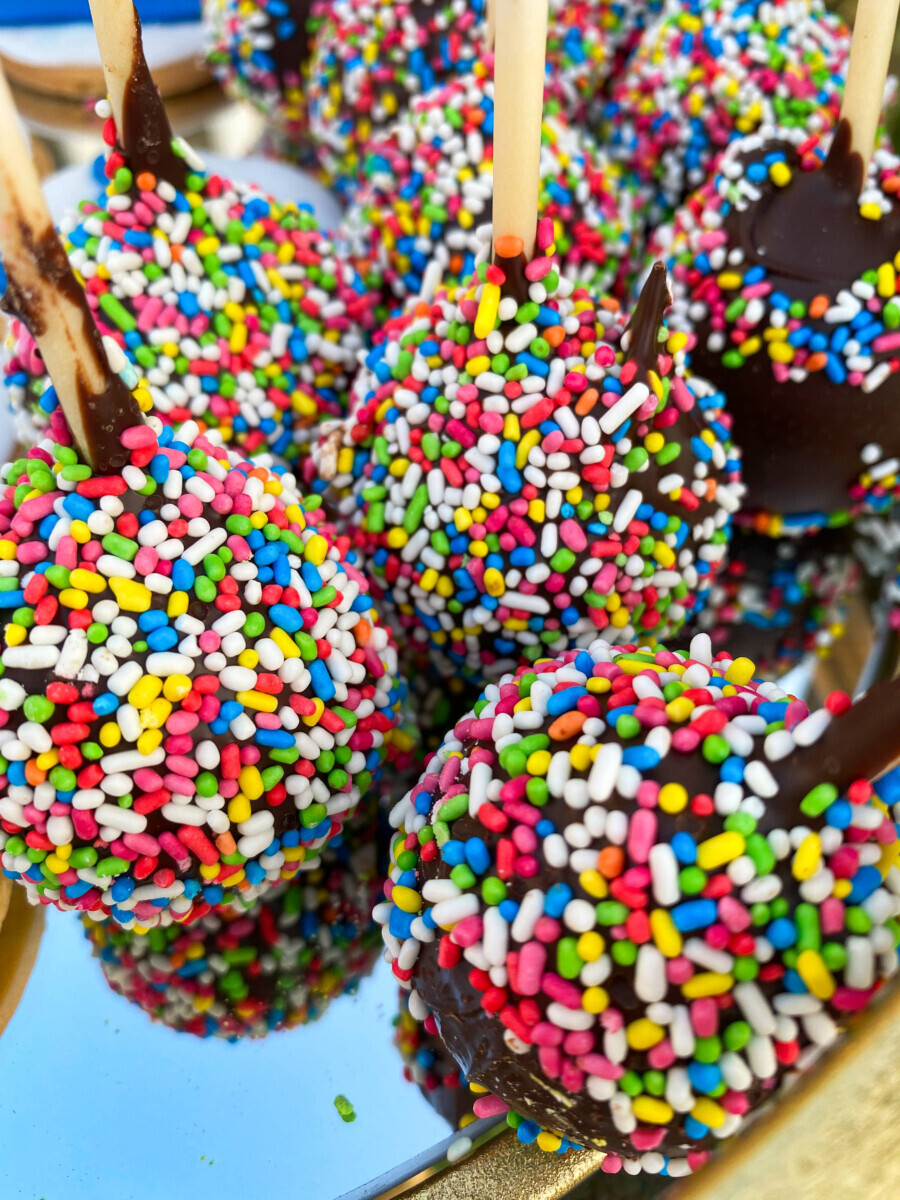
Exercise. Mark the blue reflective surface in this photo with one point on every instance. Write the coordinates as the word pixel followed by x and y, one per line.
pixel 99 1103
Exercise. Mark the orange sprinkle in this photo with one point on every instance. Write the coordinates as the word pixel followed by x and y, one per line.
pixel 567 726
pixel 816 362
pixel 586 402
pixel 609 303
pixel 146 181
pixel 225 844
pixel 508 246
pixel 611 861
pixel 362 631
pixel 554 336
pixel 33 773
pixel 818 306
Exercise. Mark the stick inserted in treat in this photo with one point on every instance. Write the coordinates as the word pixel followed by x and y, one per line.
pixel 520 45
pixel 144 132
pixel 873 38
pixel 43 291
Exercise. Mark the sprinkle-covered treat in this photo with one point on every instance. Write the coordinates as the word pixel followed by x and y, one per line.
pixel 779 599
pixel 707 73
pixel 638 889
pixel 428 1063
pixel 232 307
pixel 245 973
pixel 785 268
pixel 196 688
pixel 423 215
pixel 257 50
pixel 522 469
pixel 372 57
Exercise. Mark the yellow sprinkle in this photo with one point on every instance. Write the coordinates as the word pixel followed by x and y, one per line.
pixel 590 946
pixel 652 1110
pixel 407 899
pixel 673 797
pixel 47 761
pixel 812 970
pixel 257 700
pixel 316 549
pixel 131 596
pixel 248 658
pixel 178 604
pixel 155 715
pixel 643 1033
pixel 149 740
pixel 740 671
pixel 807 857
pixel 595 999
pixel 707 983
pixel 479 364
pixel 314 717
pixel 15 635
pixel 538 763
pixel 7 549
pixel 708 1113
pixel 239 809
pixel 176 687
pixel 887 280
pixel 594 884
pixel 718 850
pixel 494 581
pixel 664 554
pixel 145 691
pixel 666 936
pixel 110 735
pixel 871 212
pixel 87 581
pixel 549 1142
pixel 73 598
pixel 250 782
pixel 486 317
pixel 285 644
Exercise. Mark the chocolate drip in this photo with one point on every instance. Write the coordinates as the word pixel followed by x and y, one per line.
pixel 146 136
pixel 809 235
pixel 516 284
pixel 105 414
pixel 644 325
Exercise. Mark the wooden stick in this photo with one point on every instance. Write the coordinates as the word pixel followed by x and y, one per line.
pixel 144 132
pixel 870 52
pixel 520 46
pixel 117 28
pixel 44 292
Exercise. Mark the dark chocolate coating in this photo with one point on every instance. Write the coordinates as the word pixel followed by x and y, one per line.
pixel 105 414
pixel 146 135
pixel 862 743
pixel 802 441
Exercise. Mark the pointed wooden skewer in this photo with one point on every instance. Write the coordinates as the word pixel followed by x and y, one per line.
pixel 43 291
pixel 520 47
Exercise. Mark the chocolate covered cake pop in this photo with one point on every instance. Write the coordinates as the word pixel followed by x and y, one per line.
pixel 232 308
pixel 638 890
pixel 422 216
pixel 371 58
pixel 258 50
pixel 245 973
pixel 523 468
pixel 707 73
pixel 784 268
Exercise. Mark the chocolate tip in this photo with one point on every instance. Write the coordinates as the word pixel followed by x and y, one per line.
pixel 647 317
